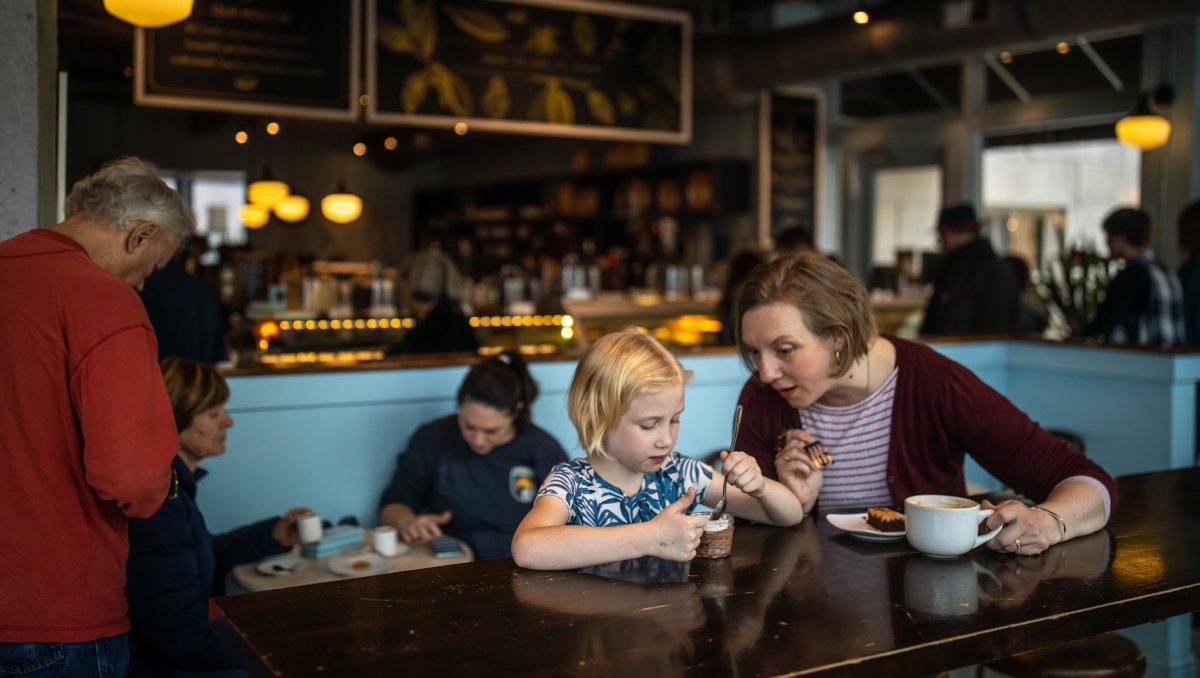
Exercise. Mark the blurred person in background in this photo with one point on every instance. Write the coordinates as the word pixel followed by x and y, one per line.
pixel 1189 272
pixel 1144 302
pixel 175 565
pixel 740 267
pixel 793 240
pixel 86 433
pixel 432 285
pixel 974 292
pixel 185 314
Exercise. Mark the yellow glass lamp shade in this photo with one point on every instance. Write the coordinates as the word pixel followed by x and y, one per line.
pixel 1146 132
pixel 292 208
pixel 149 13
pixel 267 193
pixel 255 216
pixel 341 208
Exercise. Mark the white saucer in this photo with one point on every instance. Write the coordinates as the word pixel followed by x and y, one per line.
pixel 288 563
pixel 856 525
pixel 359 565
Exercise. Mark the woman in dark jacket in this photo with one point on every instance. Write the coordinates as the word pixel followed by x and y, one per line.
pixel 175 565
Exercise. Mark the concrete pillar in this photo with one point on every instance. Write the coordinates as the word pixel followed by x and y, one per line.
pixel 28 62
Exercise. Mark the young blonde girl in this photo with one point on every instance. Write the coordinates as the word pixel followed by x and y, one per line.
pixel 633 494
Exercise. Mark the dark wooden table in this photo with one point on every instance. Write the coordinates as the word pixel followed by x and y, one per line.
pixel 799 601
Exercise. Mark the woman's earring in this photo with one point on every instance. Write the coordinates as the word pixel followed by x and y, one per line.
pixel 837 356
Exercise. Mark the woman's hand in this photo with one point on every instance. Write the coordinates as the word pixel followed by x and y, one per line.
pixel 424 527
pixel 743 472
pixel 796 470
pixel 676 534
pixel 284 531
pixel 1027 532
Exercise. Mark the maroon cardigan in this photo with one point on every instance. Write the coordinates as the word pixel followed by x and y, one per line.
pixel 941 412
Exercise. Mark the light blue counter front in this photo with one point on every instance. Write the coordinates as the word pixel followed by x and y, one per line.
pixel 329 440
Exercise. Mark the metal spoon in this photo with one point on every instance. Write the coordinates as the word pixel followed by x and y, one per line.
pixel 720 508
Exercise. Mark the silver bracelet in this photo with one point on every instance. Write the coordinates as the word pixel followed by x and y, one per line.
pixel 1061 523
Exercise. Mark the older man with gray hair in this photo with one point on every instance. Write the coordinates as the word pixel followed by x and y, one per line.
pixel 86 430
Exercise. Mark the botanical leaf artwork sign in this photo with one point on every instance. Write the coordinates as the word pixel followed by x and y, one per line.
pixel 272 57
pixel 567 68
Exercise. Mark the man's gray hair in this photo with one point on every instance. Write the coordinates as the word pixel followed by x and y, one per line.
pixel 126 191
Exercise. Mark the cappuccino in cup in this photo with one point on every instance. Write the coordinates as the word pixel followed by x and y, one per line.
pixel 942 526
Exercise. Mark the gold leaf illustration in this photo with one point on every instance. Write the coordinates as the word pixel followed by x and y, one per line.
pixel 559 107
pixel 413 93
pixel 601 107
pixel 496 100
pixel 393 36
pixel 422 26
pixel 626 103
pixel 453 93
pixel 616 44
pixel 585 34
pixel 478 24
pixel 517 17
pixel 543 39
pixel 537 107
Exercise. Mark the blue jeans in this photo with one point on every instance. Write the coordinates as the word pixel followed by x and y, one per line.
pixel 103 658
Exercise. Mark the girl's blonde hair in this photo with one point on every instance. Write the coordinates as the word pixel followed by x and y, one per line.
pixel 616 369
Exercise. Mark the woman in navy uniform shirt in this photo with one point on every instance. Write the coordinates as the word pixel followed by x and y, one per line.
pixel 474 474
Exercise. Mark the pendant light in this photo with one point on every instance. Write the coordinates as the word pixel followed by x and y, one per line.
pixel 254 216
pixel 1145 128
pixel 149 13
pixel 267 192
pixel 292 208
pixel 341 207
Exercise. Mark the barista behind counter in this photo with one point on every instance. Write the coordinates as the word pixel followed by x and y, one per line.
pixel 431 289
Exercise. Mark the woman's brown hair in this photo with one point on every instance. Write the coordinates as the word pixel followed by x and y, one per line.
pixel 193 387
pixel 832 301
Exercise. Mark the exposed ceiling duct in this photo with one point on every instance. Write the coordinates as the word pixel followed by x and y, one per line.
pixel 905 33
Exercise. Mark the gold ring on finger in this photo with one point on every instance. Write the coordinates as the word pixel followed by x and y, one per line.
pixel 1018 543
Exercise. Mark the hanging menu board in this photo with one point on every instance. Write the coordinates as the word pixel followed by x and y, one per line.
pixel 567 68
pixel 270 57
pixel 789 145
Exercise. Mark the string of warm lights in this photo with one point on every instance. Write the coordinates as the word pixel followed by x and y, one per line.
pixel 407 323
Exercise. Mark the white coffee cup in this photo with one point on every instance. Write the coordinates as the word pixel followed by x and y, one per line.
pixel 383 539
pixel 308 526
pixel 943 526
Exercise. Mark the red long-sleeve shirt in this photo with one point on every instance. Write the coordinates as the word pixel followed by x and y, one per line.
pixel 86 439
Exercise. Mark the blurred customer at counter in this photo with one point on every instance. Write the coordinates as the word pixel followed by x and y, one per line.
pixel 474 474
pixel 86 435
pixel 1189 272
pixel 432 292
pixel 175 565
pixel 794 240
pixel 1032 316
pixel 185 314
pixel 743 263
pixel 1144 302
pixel 974 292
pixel 895 415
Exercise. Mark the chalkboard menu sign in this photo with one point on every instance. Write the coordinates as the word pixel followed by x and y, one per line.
pixel 271 57
pixel 569 68
pixel 790 147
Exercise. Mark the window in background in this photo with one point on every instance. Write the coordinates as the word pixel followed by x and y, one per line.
pixel 214 199
pixel 907 200
pixel 1041 198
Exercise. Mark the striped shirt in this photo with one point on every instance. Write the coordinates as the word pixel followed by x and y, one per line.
pixel 858 437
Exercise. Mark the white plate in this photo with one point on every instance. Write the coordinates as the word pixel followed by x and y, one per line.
pixel 288 563
pixel 359 565
pixel 856 524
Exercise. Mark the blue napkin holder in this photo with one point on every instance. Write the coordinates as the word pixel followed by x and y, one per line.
pixel 337 539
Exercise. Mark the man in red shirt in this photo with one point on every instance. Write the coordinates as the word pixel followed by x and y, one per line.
pixel 86 430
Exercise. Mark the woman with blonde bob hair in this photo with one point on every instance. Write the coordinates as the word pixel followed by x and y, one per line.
pixel 632 495
pixel 895 416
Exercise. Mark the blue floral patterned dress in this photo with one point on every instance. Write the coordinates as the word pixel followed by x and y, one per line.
pixel 594 502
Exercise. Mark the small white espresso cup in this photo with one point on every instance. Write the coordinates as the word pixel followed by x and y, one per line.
pixel 383 539
pixel 308 526
pixel 942 526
